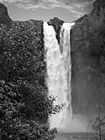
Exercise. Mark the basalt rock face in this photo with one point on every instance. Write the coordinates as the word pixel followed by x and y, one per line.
pixel 4 17
pixel 56 23
pixel 88 61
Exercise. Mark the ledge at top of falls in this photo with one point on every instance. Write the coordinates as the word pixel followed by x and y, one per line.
pixel 56 23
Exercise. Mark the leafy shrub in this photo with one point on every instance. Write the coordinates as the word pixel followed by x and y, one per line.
pixel 24 104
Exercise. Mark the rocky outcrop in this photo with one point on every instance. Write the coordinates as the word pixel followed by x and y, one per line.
pixel 56 23
pixel 4 17
pixel 88 61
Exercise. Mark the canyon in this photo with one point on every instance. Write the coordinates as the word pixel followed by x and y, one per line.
pixel 87 41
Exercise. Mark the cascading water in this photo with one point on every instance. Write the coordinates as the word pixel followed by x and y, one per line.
pixel 58 61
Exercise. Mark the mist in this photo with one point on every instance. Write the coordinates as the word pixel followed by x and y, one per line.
pixel 77 123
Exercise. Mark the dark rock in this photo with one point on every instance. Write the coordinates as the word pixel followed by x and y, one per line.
pixel 81 19
pixel 4 17
pixel 56 23
pixel 88 61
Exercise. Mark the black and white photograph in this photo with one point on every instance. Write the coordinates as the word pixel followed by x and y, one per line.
pixel 52 69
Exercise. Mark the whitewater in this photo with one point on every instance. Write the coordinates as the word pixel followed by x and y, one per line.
pixel 58 62
pixel 58 65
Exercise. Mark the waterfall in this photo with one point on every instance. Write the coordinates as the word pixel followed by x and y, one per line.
pixel 58 61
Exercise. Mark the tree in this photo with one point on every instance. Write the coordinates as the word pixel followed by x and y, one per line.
pixel 16 122
pixel 24 103
pixel 99 124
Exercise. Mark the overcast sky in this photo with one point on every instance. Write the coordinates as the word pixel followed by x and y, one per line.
pixel 67 10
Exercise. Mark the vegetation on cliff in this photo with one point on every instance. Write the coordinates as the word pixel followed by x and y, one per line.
pixel 24 104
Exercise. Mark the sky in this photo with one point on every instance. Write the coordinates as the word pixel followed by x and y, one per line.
pixel 67 10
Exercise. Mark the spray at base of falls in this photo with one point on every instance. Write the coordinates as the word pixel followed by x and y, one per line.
pixel 58 61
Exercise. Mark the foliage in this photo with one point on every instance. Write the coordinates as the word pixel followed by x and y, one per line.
pixel 23 57
pixel 13 123
pixel 24 104
pixel 99 124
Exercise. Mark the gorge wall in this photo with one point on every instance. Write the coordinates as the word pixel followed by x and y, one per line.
pixel 88 61
pixel 87 54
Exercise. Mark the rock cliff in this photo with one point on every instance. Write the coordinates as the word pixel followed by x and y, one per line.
pixel 4 17
pixel 88 61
